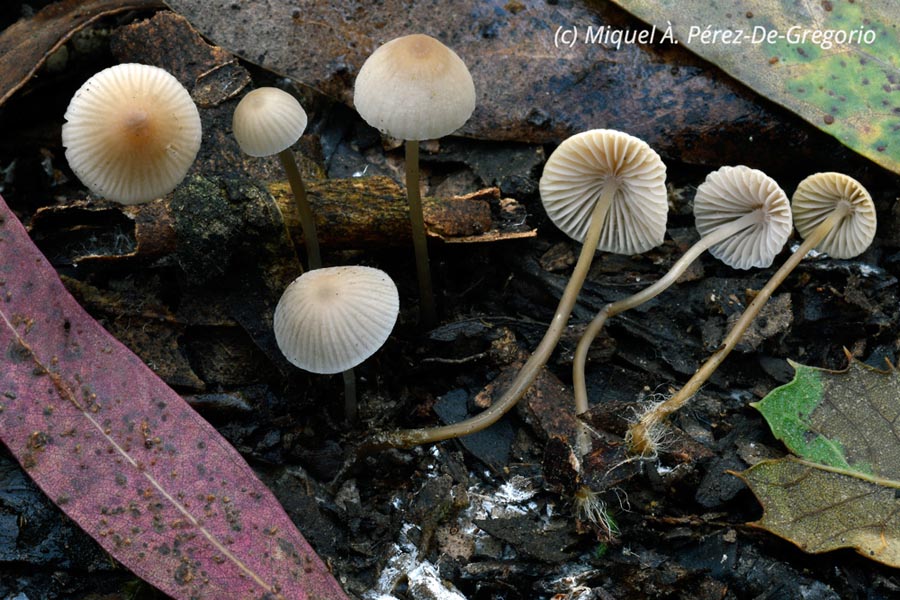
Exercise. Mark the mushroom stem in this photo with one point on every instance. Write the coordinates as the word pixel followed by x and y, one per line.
pixel 642 435
pixel 420 243
pixel 350 406
pixel 307 220
pixel 532 367
pixel 645 295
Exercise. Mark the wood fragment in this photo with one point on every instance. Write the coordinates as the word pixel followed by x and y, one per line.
pixel 350 213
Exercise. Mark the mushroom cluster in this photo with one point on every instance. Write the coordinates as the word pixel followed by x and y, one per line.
pixel 132 132
pixel 744 220
pixel 832 212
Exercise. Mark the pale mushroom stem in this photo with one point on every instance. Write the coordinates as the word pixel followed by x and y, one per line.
pixel 642 436
pixel 350 406
pixel 645 295
pixel 420 243
pixel 532 367
pixel 307 220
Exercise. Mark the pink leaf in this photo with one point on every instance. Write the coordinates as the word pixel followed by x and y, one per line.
pixel 127 459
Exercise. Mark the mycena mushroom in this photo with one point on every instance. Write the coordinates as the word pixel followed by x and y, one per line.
pixel 330 320
pixel 606 189
pixel 269 121
pixel 834 213
pixel 415 88
pixel 744 220
pixel 131 133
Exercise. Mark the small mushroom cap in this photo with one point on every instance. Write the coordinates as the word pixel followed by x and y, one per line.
pixel 267 121
pixel 131 133
pixel 732 192
pixel 414 88
pixel 332 319
pixel 579 169
pixel 818 195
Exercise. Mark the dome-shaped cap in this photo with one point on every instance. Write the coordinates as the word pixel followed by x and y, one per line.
pixel 131 133
pixel 728 195
pixel 579 169
pixel 818 195
pixel 414 88
pixel 267 121
pixel 332 319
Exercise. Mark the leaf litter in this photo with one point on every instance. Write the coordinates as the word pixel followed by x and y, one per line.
pixel 126 458
pixel 673 542
pixel 840 489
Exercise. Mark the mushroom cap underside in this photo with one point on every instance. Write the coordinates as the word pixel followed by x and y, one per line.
pixel 730 193
pixel 583 165
pixel 815 199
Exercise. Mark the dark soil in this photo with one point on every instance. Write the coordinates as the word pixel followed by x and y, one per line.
pixel 490 516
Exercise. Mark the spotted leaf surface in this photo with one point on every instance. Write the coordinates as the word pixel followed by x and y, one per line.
pixel 841 488
pixel 836 63
pixel 127 459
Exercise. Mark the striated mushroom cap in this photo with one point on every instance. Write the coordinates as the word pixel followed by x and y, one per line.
pixel 131 133
pixel 414 88
pixel 579 169
pixel 267 121
pixel 332 319
pixel 732 192
pixel 818 195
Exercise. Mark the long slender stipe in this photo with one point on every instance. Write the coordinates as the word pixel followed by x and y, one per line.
pixel 307 220
pixel 420 243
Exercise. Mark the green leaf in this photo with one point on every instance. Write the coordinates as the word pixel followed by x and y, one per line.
pixel 842 490
pixel 850 90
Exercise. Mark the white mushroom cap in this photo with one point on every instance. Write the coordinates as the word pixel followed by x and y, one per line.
pixel 818 195
pixel 732 192
pixel 579 169
pixel 131 133
pixel 332 319
pixel 414 88
pixel 267 121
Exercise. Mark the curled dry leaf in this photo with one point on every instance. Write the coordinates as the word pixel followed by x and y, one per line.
pixel 127 459
pixel 25 45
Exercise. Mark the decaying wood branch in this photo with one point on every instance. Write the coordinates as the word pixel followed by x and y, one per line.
pixel 350 213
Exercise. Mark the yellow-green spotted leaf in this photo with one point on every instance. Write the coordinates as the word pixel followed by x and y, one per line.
pixel 836 63
pixel 842 489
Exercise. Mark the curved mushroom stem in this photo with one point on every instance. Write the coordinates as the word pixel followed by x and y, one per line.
pixel 420 243
pixel 645 295
pixel 350 407
pixel 642 436
pixel 532 367
pixel 307 220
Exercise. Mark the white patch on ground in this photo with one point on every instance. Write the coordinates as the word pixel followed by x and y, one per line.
pixel 424 581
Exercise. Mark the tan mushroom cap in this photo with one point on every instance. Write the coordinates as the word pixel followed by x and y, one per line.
pixel 131 133
pixel 332 319
pixel 818 195
pixel 579 169
pixel 414 88
pixel 732 192
pixel 267 121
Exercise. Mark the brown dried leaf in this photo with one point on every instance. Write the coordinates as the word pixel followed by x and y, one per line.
pixel 25 46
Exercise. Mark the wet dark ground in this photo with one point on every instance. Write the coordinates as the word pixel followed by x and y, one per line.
pixel 493 516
